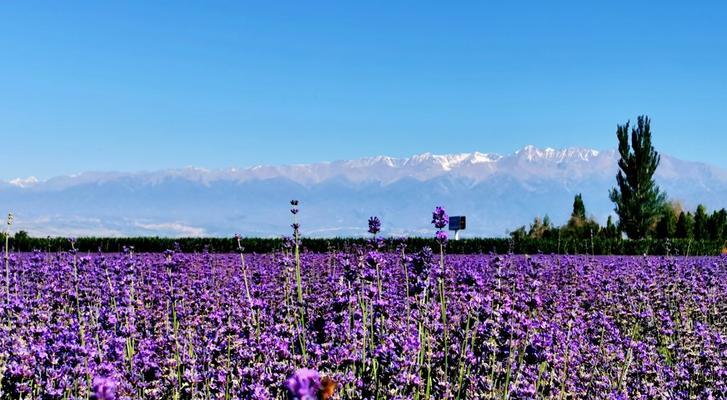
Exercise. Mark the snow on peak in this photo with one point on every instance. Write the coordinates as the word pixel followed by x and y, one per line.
pixel 24 182
pixel 449 162
pixel 475 165
pixel 533 153
pixel 478 157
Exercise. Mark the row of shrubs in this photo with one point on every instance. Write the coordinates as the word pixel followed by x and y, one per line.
pixel 597 246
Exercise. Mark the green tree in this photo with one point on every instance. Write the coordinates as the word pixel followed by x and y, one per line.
pixel 637 198
pixel 667 225
pixel 579 209
pixel 579 226
pixel 536 228
pixel 519 233
pixel 611 230
pixel 539 229
pixel 549 230
pixel 717 225
pixel 700 223
pixel 685 224
pixel 20 239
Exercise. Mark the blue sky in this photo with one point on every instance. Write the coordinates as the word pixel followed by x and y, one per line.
pixel 137 86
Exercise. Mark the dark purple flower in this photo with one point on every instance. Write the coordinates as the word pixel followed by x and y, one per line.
pixel 441 236
pixel 374 225
pixel 374 258
pixel 534 354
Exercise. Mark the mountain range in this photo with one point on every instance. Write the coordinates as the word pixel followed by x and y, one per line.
pixel 496 192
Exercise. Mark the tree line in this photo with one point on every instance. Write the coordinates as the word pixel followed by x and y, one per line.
pixel 641 206
pixel 550 245
pixel 672 221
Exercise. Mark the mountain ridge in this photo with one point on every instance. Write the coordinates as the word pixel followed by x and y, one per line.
pixel 496 192
pixel 445 163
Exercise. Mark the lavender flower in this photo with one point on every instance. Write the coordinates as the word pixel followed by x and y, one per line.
pixel 420 266
pixel 440 219
pixel 287 242
pixel 374 258
pixel 374 225
pixel 303 385
pixel 654 326
pixel 103 389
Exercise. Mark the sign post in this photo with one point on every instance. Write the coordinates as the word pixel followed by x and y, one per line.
pixel 456 224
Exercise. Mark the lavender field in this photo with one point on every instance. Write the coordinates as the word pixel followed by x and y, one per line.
pixel 380 325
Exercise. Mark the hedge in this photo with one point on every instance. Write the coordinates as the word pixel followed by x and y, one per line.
pixel 598 246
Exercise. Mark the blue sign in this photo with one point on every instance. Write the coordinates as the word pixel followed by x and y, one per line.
pixel 457 223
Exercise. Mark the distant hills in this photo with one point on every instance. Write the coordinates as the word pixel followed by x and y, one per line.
pixel 496 192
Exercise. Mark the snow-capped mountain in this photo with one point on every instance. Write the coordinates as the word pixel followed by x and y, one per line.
pixel 496 192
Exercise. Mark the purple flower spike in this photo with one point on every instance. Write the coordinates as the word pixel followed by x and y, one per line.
pixel 441 236
pixel 103 389
pixel 440 219
pixel 374 225
pixel 303 385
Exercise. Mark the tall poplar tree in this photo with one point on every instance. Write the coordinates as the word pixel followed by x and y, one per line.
pixel 637 198
pixel 579 209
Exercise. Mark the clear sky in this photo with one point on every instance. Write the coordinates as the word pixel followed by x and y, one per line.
pixel 145 85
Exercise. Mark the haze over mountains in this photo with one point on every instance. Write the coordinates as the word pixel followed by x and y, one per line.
pixel 497 193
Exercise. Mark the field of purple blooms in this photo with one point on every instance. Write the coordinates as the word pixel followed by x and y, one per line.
pixel 379 325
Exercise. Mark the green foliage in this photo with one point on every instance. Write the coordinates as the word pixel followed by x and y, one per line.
pixel 700 223
pixel 610 231
pixel 20 238
pixel 637 198
pixel 577 227
pixel 601 246
pixel 685 226
pixel 541 229
pixel 523 245
pixel 667 225
pixel 717 225
pixel 579 209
